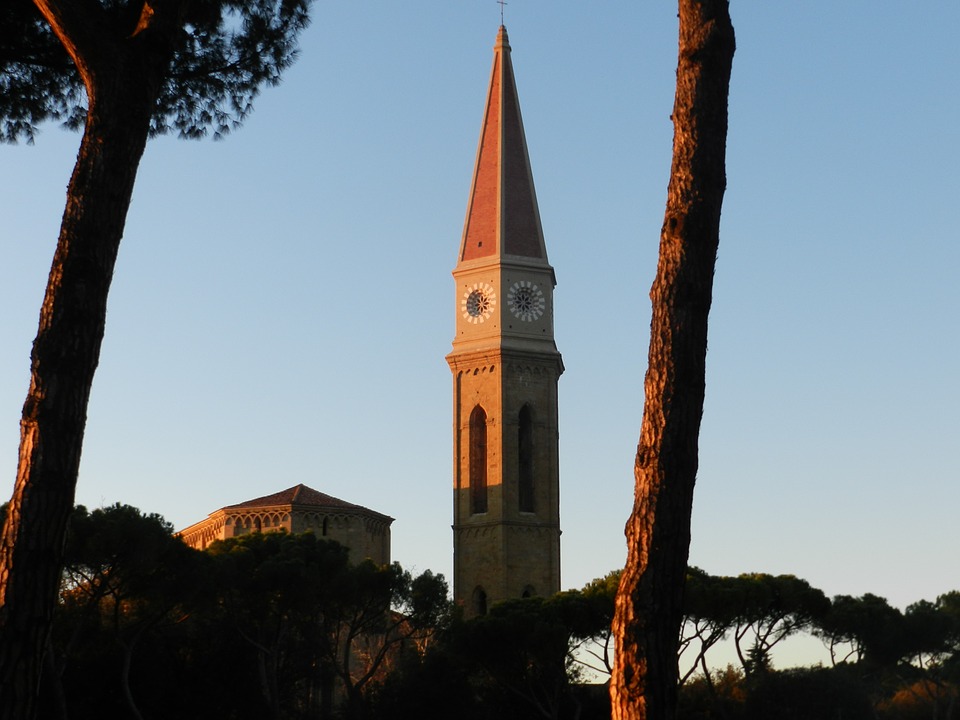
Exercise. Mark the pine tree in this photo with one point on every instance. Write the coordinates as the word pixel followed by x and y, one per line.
pixel 123 70
pixel 649 602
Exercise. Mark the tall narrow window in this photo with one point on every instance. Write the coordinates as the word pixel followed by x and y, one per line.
pixel 478 461
pixel 525 455
pixel 479 601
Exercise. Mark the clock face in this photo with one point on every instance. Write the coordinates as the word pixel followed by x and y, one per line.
pixel 478 302
pixel 526 301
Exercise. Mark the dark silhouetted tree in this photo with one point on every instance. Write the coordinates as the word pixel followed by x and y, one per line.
pixel 771 608
pixel 274 592
pixel 710 609
pixel 310 619
pixel 519 654
pixel 862 630
pixel 127 582
pixel 591 621
pixel 123 69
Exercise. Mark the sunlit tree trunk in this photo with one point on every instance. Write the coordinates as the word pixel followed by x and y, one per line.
pixel 122 86
pixel 648 610
pixel 64 358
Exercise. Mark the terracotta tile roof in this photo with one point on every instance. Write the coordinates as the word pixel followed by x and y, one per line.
pixel 302 496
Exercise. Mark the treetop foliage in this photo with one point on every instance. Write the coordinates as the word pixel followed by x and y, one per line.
pixel 115 537
pixel 271 623
pixel 38 81
pixel 225 50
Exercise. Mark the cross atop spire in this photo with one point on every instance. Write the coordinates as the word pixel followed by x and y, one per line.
pixel 501 3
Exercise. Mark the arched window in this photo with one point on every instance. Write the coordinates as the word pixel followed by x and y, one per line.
pixel 525 455
pixel 324 528
pixel 479 601
pixel 478 461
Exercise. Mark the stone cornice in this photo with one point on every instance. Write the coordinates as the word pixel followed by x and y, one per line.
pixel 474 359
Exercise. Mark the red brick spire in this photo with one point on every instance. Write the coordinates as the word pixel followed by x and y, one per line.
pixel 502 214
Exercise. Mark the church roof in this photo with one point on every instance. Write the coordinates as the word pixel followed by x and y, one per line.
pixel 502 214
pixel 303 497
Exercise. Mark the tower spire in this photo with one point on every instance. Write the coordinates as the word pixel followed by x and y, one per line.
pixel 502 215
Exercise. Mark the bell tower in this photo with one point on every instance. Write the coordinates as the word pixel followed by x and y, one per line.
pixel 505 365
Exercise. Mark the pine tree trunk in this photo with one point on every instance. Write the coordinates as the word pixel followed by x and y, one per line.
pixel 125 669
pixel 64 358
pixel 648 611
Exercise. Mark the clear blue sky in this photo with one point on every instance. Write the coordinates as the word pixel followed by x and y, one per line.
pixel 283 300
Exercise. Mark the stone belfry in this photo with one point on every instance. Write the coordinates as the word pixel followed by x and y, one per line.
pixel 505 365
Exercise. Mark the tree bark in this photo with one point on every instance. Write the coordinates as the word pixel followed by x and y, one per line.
pixel 122 78
pixel 649 602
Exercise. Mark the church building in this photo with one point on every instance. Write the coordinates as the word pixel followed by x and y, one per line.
pixel 505 366
pixel 299 509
